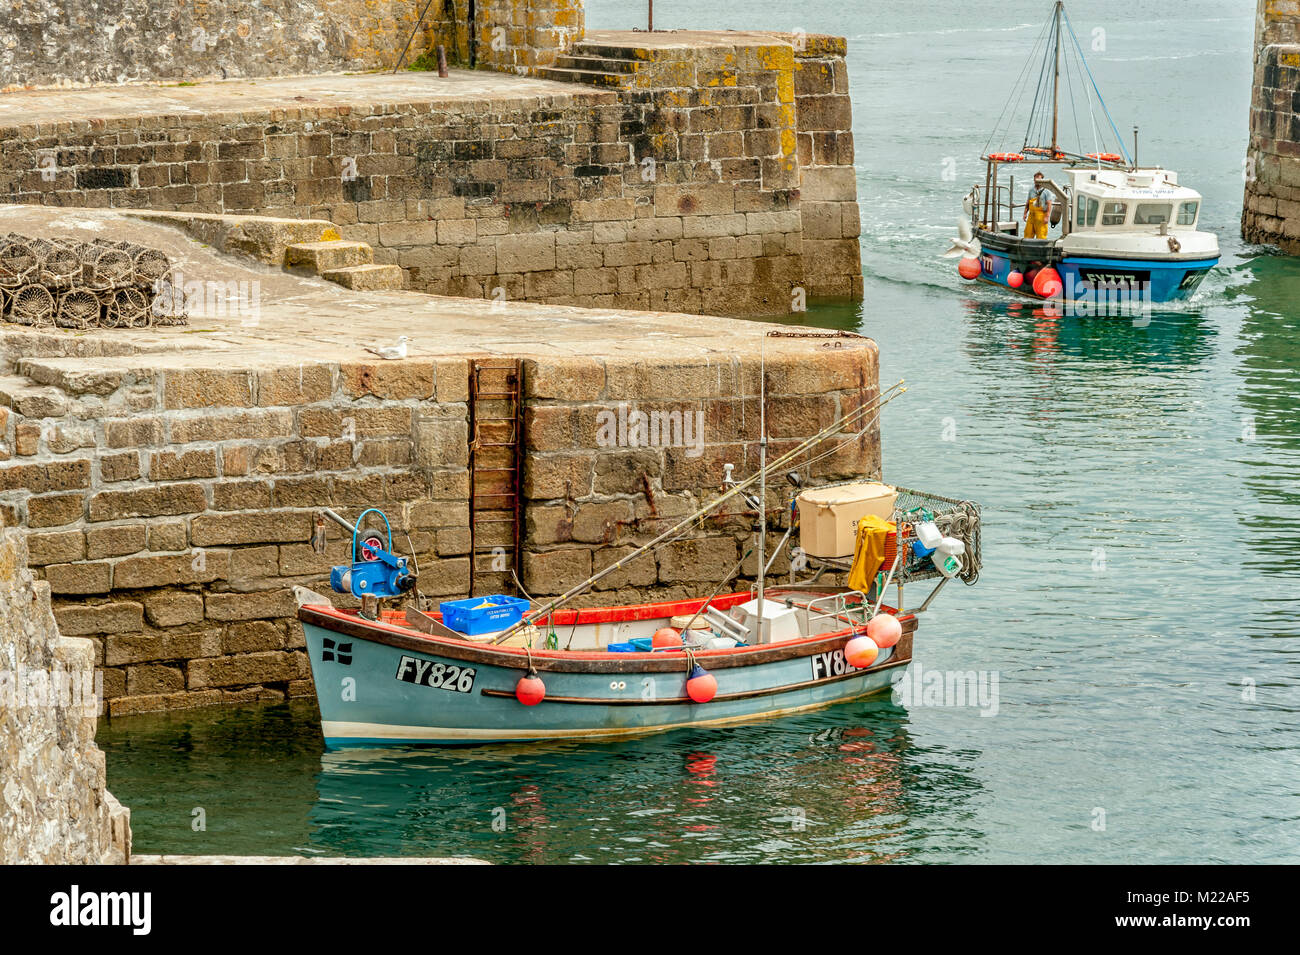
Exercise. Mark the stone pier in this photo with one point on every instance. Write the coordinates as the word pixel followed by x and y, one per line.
pixel 169 478
pixel 54 805
pixel 687 172
pixel 1272 203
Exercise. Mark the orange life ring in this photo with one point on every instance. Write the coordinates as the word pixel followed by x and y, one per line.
pixel 1106 157
pixel 1006 157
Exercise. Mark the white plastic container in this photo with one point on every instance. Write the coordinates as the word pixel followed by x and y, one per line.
pixel 928 535
pixel 951 545
pixel 948 564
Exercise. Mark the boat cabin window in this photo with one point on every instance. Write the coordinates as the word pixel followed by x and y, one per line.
pixel 1152 213
pixel 1087 211
pixel 1114 213
pixel 1187 213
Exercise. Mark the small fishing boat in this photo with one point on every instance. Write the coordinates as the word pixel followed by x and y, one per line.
pixel 1128 233
pixel 498 669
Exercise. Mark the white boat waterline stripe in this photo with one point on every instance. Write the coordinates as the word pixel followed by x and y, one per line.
pixel 341 730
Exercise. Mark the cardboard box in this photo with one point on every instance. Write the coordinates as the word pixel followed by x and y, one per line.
pixel 828 516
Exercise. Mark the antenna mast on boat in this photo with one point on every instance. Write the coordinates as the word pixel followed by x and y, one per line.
pixel 1056 78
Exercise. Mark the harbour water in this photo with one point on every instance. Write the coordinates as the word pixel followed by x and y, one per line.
pixel 1138 618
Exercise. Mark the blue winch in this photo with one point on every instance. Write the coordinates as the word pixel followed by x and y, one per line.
pixel 375 571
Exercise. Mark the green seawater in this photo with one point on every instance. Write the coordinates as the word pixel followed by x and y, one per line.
pixel 1140 599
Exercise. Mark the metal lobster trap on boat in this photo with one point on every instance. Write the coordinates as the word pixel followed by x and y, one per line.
pixel 907 558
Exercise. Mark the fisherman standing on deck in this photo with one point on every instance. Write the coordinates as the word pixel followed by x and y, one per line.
pixel 1038 209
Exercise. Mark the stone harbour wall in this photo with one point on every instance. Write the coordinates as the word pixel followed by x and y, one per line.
pixel 54 805
pixel 61 42
pixel 590 502
pixel 721 181
pixel 1271 212
pixel 170 509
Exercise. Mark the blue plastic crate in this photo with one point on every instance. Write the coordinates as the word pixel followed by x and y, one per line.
pixel 470 617
pixel 621 648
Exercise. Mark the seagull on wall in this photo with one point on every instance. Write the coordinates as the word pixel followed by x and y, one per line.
pixel 391 352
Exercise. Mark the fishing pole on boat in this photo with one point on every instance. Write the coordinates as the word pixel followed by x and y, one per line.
pixel 784 460
pixel 717 590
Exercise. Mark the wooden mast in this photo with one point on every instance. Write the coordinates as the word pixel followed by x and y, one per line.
pixel 1056 78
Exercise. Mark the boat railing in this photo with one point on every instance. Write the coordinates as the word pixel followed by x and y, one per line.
pixel 1001 201
pixel 838 608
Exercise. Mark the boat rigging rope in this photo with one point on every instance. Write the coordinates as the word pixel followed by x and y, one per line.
pixel 1118 137
pixel 738 488
pixel 1017 93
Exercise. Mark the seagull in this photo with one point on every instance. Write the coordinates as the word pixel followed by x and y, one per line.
pixel 391 351
pixel 965 245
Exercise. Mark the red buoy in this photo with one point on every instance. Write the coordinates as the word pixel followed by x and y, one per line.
pixel 969 268
pixel 530 690
pixel 666 637
pixel 861 652
pixel 884 629
pixel 1015 279
pixel 701 685
pixel 1047 283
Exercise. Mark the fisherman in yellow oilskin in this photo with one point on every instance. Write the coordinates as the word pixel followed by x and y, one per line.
pixel 1038 209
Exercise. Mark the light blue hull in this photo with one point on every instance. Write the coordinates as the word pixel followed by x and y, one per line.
pixel 373 694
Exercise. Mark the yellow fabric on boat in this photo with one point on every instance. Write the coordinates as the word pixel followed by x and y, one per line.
pixel 1037 228
pixel 869 551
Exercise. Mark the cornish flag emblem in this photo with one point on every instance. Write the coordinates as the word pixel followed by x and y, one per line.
pixel 339 652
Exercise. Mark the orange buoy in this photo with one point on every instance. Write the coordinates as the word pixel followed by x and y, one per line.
pixel 884 629
pixel 1047 283
pixel 701 685
pixel 1106 157
pixel 1006 157
pixel 861 652
pixel 666 637
pixel 530 690
pixel 1015 279
pixel 969 268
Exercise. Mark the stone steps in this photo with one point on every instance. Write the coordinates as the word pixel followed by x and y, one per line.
pixel 350 264
pixel 598 63
pixel 595 65
pixel 588 77
pixel 367 278
pixel 320 257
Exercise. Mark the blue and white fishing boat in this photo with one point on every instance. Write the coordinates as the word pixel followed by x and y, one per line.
pixel 503 669
pixel 1126 233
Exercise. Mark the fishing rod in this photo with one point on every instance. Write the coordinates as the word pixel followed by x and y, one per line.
pixel 893 392
pixel 717 590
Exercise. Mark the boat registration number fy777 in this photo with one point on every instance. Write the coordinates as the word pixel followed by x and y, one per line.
pixel 437 676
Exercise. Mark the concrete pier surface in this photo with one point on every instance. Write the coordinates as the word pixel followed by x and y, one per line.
pixel 214 99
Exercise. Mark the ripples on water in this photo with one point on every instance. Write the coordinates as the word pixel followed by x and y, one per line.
pixel 1141 488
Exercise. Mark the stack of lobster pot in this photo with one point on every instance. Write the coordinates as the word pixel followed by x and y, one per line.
pixel 98 284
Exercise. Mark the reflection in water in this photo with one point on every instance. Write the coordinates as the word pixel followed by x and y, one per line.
pixel 1034 332
pixel 842 784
